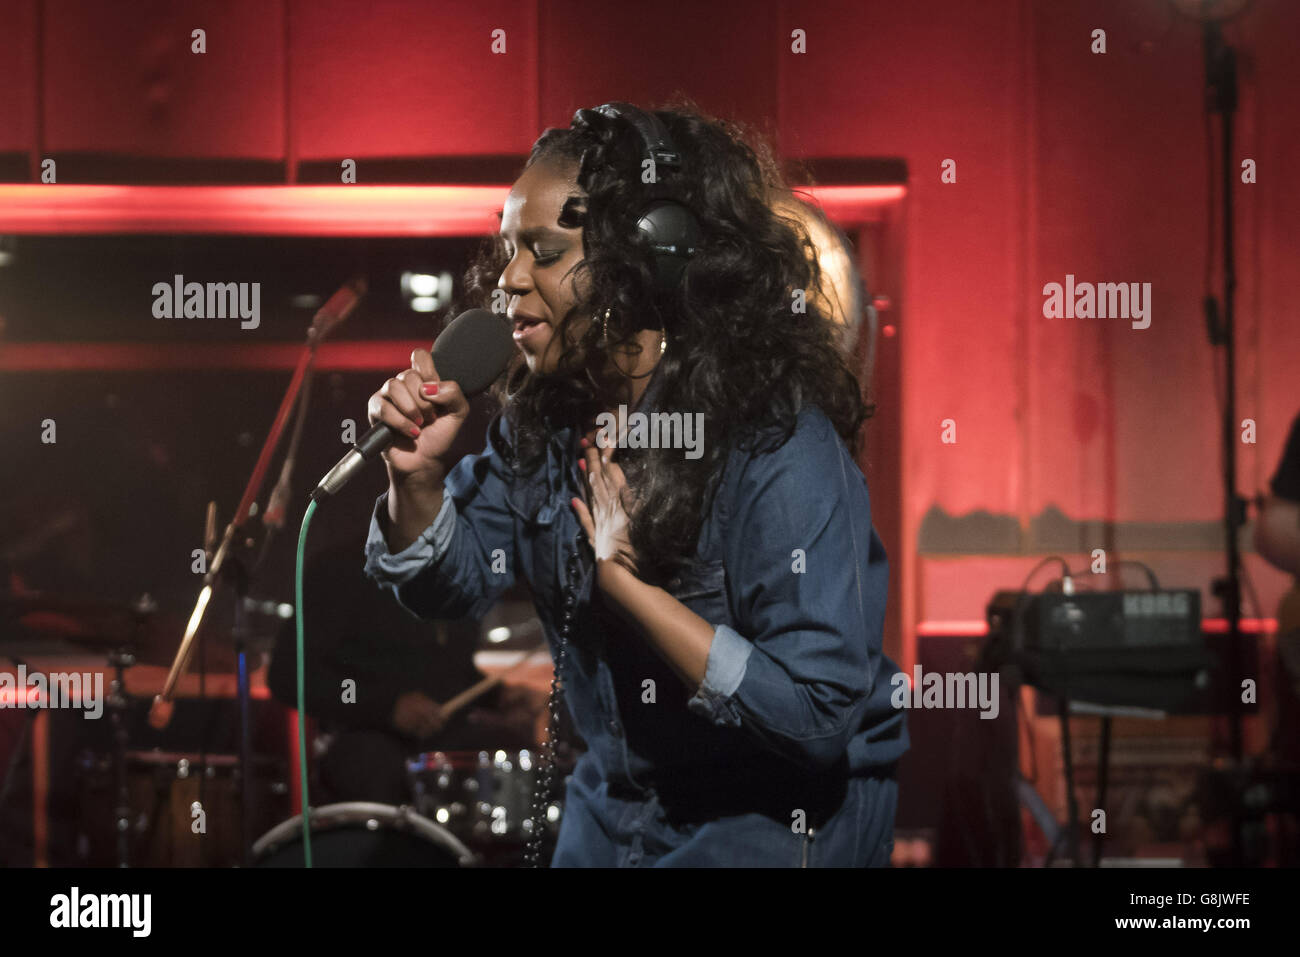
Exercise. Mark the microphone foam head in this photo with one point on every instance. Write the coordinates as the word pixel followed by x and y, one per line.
pixel 474 350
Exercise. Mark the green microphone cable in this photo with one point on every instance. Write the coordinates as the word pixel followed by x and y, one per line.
pixel 302 702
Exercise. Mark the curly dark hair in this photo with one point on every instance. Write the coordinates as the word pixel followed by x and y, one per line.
pixel 738 350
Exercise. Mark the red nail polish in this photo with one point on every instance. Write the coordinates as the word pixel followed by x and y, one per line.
pixel 584 443
pixel 582 464
pixel 415 433
pixel 429 388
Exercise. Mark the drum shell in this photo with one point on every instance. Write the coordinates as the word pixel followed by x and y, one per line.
pixel 362 834
pixel 163 788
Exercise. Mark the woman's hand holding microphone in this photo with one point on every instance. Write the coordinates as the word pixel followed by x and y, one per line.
pixel 427 414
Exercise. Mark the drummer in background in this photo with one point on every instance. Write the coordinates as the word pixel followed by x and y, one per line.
pixel 403 669
pixel 1277 539
pixel 1277 533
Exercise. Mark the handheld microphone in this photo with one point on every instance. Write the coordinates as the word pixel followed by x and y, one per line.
pixel 472 351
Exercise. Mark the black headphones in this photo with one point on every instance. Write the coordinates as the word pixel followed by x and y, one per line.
pixel 668 224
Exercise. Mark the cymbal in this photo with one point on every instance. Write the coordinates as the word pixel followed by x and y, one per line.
pixel 90 622
pixel 100 627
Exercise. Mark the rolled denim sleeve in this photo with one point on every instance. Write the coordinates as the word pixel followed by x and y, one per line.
pixel 723 673
pixel 807 581
pixel 387 568
pixel 464 560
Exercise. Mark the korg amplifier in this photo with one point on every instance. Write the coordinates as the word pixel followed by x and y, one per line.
pixel 1090 621
pixel 1138 648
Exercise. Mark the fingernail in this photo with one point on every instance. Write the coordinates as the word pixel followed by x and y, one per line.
pixel 584 443
pixel 582 464
pixel 429 388
pixel 414 433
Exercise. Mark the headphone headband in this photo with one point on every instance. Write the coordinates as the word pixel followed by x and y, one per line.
pixel 653 132
pixel 667 224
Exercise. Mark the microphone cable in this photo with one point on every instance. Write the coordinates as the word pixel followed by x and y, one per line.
pixel 302 671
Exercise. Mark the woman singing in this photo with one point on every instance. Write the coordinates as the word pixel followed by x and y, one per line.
pixel 672 473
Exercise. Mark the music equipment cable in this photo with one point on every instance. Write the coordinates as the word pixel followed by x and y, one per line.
pixel 302 685
pixel 996 658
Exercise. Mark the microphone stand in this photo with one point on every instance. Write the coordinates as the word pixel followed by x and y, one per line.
pixel 225 565
pixel 1221 98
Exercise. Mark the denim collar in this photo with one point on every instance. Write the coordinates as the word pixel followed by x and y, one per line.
pixel 649 401
pixel 532 498
pixel 561 439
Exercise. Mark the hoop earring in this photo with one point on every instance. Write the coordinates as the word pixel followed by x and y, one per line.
pixel 604 334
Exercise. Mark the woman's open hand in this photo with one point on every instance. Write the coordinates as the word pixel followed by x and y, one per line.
pixel 606 520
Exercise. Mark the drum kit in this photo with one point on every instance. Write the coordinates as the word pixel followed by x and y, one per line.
pixel 484 799
pixel 166 792
pixel 472 809
pixel 133 807
pixel 140 807
pixel 477 801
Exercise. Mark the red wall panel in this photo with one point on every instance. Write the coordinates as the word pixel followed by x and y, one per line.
pixel 1067 162
pixel 121 78
pixel 1269 307
pixel 17 75
pixel 932 81
pixel 410 78
pixel 1120 195
pixel 720 53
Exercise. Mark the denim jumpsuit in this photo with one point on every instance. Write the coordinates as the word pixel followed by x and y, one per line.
pixel 785 755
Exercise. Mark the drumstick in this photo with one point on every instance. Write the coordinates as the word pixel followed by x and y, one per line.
pixel 481 688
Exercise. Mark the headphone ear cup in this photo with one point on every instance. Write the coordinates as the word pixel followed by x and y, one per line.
pixel 668 227
pixel 673 234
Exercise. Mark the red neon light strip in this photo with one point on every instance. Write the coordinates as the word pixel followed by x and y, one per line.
pixel 311 210
pixel 975 628
pixel 253 210
pixel 342 356
pixel 280 210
